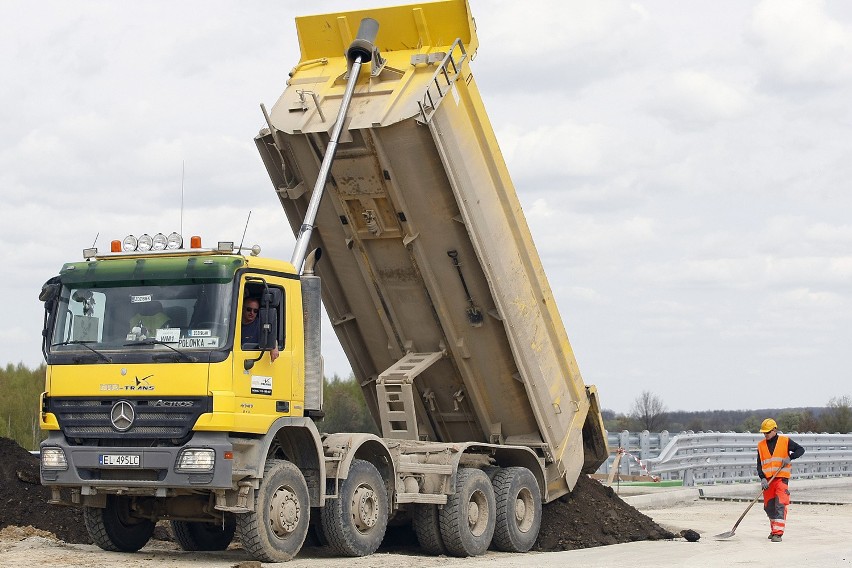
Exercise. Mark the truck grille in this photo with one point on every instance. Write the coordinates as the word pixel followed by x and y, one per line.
pixel 152 420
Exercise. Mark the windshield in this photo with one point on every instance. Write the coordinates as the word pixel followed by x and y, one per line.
pixel 128 316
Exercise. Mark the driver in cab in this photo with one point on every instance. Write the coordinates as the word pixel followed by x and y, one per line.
pixel 251 326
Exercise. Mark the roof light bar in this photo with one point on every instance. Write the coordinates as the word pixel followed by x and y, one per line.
pixel 159 242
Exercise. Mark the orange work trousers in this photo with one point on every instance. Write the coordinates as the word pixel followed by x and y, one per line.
pixel 775 500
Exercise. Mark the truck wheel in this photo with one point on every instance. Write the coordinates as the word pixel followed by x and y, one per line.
pixel 424 518
pixel 518 509
pixel 467 520
pixel 355 522
pixel 205 536
pixel 276 529
pixel 113 528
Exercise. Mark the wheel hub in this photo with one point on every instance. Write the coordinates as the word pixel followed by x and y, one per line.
pixel 520 510
pixel 365 508
pixel 477 513
pixel 285 512
pixel 472 513
pixel 524 510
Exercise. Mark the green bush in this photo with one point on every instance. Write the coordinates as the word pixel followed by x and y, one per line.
pixel 20 388
pixel 345 408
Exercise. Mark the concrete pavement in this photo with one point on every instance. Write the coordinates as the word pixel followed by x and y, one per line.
pixel 817 536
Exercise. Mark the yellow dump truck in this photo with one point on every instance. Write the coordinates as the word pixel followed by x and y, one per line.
pixel 185 383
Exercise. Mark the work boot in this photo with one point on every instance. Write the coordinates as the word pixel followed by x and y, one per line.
pixel 775 538
pixel 770 536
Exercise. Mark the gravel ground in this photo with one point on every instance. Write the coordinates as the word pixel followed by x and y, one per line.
pixel 592 515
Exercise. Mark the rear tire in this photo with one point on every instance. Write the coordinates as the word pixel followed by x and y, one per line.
pixel 355 522
pixel 518 509
pixel 427 527
pixel 467 520
pixel 113 528
pixel 205 536
pixel 276 529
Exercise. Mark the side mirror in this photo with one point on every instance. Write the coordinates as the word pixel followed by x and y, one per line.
pixel 268 328
pixel 49 291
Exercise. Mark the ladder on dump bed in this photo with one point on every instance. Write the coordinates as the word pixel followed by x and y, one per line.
pixel 395 391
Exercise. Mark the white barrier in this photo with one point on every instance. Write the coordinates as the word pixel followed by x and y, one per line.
pixel 705 458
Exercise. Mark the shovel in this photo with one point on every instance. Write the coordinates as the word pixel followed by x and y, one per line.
pixel 731 532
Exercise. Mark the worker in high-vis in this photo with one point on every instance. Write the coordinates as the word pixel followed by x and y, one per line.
pixel 774 454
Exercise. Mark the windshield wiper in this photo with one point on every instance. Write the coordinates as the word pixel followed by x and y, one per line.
pixel 152 341
pixel 84 344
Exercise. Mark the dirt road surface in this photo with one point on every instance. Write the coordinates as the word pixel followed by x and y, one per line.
pixel 817 536
pixel 585 525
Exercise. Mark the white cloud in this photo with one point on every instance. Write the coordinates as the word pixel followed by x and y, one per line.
pixel 807 299
pixel 684 167
pixel 801 42
pixel 709 95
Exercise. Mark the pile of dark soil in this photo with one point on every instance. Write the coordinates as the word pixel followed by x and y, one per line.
pixel 593 515
pixel 23 501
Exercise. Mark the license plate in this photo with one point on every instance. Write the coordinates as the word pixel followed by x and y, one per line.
pixel 120 460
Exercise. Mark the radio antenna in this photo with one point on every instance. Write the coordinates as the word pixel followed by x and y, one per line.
pixel 182 176
pixel 96 239
pixel 244 232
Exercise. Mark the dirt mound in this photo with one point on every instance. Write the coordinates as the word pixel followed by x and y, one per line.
pixel 593 515
pixel 23 501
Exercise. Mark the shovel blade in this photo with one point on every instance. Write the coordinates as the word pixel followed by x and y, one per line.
pixel 728 534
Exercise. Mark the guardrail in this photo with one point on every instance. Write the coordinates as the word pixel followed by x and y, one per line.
pixel 706 458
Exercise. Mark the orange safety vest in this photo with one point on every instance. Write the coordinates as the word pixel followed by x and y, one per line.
pixel 770 463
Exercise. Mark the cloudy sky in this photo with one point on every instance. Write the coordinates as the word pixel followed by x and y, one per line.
pixel 685 169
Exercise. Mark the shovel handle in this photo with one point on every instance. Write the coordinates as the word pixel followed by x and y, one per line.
pixel 750 505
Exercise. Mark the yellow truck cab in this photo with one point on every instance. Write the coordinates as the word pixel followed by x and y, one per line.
pixel 154 357
pixel 170 324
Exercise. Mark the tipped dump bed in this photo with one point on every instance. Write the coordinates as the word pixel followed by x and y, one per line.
pixel 429 273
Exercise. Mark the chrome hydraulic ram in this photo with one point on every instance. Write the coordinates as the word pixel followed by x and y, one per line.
pixel 359 52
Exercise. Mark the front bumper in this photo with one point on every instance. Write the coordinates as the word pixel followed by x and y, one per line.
pixel 155 474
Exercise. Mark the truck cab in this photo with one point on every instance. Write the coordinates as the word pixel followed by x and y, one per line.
pixel 171 324
pixel 161 390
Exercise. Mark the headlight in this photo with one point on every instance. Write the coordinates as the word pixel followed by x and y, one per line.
pixel 175 241
pixel 145 243
pixel 129 243
pixel 53 458
pixel 195 460
pixel 160 242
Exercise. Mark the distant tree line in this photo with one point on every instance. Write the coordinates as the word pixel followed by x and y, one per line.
pixel 345 408
pixel 346 411
pixel 20 388
pixel 648 412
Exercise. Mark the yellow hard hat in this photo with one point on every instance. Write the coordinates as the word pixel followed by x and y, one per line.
pixel 768 425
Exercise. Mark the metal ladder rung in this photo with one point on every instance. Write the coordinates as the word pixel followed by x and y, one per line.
pixel 395 393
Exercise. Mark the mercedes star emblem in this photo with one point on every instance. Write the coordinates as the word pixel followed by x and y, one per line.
pixel 122 415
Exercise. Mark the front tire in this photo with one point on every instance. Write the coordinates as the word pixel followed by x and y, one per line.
pixel 468 518
pixel 518 509
pixel 113 528
pixel 276 529
pixel 205 536
pixel 355 522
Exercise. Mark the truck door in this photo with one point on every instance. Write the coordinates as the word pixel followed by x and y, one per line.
pixel 263 392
